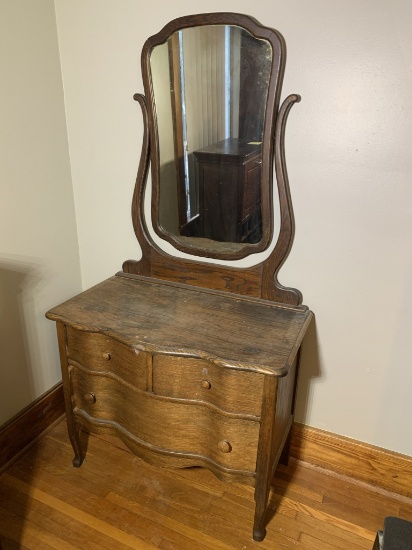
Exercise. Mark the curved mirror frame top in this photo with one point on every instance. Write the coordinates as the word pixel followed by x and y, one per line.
pixel 212 84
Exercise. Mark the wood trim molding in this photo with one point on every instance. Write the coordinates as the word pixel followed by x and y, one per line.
pixel 27 426
pixel 360 461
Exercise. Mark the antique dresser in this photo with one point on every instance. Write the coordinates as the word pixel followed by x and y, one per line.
pixel 190 362
pixel 229 175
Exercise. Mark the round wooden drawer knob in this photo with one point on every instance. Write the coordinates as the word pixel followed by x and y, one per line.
pixel 206 384
pixel 106 355
pixel 224 446
pixel 90 397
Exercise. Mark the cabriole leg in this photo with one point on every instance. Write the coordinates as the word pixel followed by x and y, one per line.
pixel 73 427
pixel 76 444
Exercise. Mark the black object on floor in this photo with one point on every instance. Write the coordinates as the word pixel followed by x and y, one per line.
pixel 396 535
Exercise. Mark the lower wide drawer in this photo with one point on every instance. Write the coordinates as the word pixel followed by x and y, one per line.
pixel 169 425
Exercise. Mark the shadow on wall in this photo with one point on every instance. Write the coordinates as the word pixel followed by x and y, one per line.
pixel 18 335
pixel 17 383
pixel 309 369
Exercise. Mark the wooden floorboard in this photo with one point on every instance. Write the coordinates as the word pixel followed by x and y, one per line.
pixel 115 500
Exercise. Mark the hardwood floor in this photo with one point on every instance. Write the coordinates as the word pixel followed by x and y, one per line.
pixel 116 501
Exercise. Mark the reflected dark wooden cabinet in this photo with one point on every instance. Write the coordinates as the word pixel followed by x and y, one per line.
pixel 192 363
pixel 229 174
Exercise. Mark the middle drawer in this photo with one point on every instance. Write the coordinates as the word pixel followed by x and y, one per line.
pixel 231 390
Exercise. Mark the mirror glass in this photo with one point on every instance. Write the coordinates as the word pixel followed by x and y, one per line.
pixel 210 87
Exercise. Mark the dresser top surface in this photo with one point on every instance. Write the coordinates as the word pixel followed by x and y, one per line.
pixel 159 316
pixel 230 148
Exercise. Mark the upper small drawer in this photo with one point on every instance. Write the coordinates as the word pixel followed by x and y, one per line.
pixel 189 378
pixel 97 351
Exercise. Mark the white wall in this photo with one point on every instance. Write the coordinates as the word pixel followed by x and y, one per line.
pixel 39 260
pixel 350 167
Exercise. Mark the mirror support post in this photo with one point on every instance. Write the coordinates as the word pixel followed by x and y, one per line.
pixel 138 219
pixel 271 288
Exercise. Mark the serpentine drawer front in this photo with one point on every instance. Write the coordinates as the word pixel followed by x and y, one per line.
pixel 164 424
pixel 109 395
pixel 99 352
pixel 232 390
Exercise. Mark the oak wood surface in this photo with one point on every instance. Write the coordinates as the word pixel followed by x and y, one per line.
pixel 367 463
pixel 189 378
pixel 185 427
pixel 150 315
pixel 97 352
pixel 118 501
pixel 245 281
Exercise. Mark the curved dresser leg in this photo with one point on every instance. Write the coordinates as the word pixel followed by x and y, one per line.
pixel 73 427
pixel 259 533
pixel 74 436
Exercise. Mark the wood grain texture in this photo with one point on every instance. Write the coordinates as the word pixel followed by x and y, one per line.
pixel 184 428
pixel 157 316
pixel 24 428
pixel 245 281
pixel 138 219
pixel 188 378
pixel 73 427
pixel 271 288
pixel 266 457
pixel 367 463
pixel 99 352
pixel 119 501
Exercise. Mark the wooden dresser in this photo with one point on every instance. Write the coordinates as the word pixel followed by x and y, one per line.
pixel 229 175
pixel 188 362
pixel 184 376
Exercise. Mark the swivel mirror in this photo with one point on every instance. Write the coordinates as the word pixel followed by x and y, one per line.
pixel 212 90
pixel 191 363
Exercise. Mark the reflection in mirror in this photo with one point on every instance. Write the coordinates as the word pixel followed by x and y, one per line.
pixel 210 87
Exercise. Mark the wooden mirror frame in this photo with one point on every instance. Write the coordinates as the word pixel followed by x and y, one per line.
pixel 259 280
